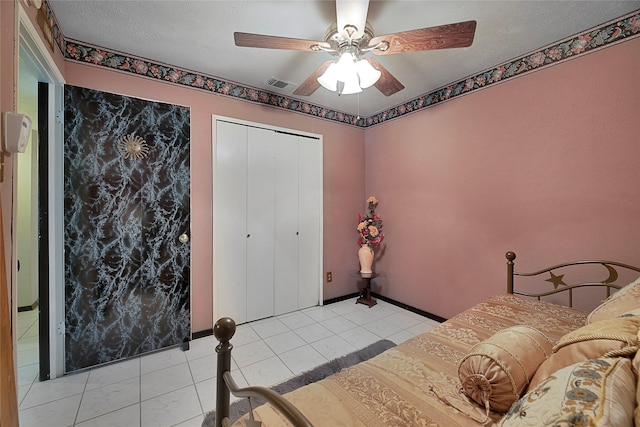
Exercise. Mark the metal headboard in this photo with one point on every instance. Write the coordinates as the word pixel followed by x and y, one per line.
pixel 558 280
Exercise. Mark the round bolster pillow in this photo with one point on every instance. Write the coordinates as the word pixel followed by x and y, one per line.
pixel 497 370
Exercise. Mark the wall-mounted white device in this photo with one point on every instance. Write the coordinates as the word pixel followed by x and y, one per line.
pixel 17 128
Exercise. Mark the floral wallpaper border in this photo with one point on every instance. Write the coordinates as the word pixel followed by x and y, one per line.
pixel 624 28
pixel 58 37
pixel 621 29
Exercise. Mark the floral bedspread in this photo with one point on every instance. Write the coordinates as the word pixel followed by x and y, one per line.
pixel 412 384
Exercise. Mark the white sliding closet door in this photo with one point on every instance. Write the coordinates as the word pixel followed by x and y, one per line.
pixel 287 230
pixel 267 221
pixel 260 218
pixel 310 221
pixel 230 227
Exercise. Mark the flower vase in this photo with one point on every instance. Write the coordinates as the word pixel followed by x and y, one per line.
pixel 365 255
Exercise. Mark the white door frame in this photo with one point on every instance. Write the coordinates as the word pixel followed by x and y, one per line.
pixel 31 43
pixel 215 119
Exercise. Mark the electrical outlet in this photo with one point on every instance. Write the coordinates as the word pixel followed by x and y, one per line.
pixel 329 277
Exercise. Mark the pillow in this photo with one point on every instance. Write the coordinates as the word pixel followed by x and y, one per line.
pixel 611 337
pixel 497 370
pixel 595 392
pixel 627 298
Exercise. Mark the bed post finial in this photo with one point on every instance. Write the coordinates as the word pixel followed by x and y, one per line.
pixel 510 257
pixel 224 329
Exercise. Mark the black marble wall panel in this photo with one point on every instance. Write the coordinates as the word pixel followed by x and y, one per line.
pixel 127 287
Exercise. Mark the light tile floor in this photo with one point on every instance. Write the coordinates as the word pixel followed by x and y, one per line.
pixel 176 388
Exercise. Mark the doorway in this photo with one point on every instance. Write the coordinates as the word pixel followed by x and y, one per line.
pixel 26 223
pixel 33 272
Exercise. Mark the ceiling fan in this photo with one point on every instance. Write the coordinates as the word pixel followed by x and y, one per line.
pixel 351 38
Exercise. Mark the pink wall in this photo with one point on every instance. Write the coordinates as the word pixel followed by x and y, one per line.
pixel 343 174
pixel 8 102
pixel 542 164
pixel 545 165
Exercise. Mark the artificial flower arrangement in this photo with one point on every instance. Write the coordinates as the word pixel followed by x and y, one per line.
pixel 370 226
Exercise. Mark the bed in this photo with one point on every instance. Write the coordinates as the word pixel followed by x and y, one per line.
pixel 513 359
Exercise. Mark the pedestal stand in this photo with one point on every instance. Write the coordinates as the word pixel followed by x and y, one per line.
pixel 365 293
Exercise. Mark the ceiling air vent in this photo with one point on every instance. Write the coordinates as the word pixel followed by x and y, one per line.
pixel 280 84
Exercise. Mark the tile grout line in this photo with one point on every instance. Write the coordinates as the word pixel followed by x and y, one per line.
pixel 193 379
pixel 334 314
pixel 140 391
pixel 84 389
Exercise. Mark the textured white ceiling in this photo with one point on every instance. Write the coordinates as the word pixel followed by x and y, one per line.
pixel 198 36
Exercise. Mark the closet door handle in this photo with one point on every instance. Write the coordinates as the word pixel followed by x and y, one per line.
pixel 248 235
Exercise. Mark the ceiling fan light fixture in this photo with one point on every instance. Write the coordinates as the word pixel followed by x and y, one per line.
pixel 367 74
pixel 351 37
pixel 348 76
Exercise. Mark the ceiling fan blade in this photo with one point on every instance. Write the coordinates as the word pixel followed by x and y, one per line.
pixel 352 12
pixel 275 42
pixel 447 36
pixel 311 84
pixel 387 84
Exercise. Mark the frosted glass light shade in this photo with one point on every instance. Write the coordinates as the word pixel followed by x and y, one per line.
pixel 351 85
pixel 346 66
pixel 367 74
pixel 346 76
pixel 348 73
pixel 329 79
